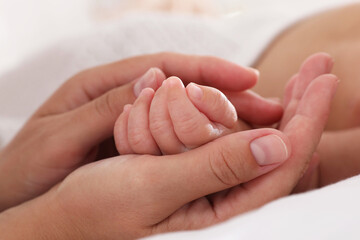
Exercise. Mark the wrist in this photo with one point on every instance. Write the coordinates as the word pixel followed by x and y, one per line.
pixel 40 218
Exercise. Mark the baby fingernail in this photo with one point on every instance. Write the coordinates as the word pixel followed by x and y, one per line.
pixel 257 72
pixel 269 149
pixel 194 91
pixel 127 107
pixel 146 81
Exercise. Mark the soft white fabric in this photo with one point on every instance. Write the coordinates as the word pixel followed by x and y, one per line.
pixel 329 213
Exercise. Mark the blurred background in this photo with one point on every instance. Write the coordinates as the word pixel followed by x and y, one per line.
pixel 28 26
pixel 43 43
pixel 31 25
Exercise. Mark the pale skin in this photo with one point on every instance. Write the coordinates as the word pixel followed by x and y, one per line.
pixel 177 118
pixel 73 126
pixel 78 119
pixel 56 118
pixel 334 32
pixel 131 196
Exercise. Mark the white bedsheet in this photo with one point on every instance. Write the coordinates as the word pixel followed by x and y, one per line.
pixel 329 213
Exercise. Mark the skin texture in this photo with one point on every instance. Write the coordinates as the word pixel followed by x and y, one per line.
pixel 284 178
pixel 175 119
pixel 334 32
pixel 59 214
pixel 187 126
pixel 152 194
pixel 74 126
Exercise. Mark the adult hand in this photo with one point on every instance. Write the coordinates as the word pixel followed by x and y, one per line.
pixel 71 128
pixel 133 196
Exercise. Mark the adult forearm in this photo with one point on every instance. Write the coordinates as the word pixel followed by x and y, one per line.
pixel 40 219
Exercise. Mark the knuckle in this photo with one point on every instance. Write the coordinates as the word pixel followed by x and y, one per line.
pixel 137 139
pixel 82 74
pixel 218 100
pixel 195 130
pixel 187 126
pixel 103 106
pixel 55 145
pixel 225 166
pixel 222 106
pixel 164 54
pixel 158 126
pixel 164 57
pixel 188 122
pixel 193 135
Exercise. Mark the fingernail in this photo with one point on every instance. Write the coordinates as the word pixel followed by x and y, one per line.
pixel 194 91
pixel 274 100
pixel 173 81
pixel 269 149
pixel 146 92
pixel 255 71
pixel 145 81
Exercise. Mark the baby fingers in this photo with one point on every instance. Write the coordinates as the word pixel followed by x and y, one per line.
pixel 192 127
pixel 120 132
pixel 213 104
pixel 161 126
pixel 139 135
pixel 131 132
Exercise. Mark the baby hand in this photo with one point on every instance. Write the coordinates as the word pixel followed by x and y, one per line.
pixel 175 119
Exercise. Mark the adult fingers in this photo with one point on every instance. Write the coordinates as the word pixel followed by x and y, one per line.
pixel 89 85
pixel 304 131
pixel 92 83
pixel 213 103
pixel 314 66
pixel 218 165
pixel 94 122
pixel 139 135
pixel 289 90
pixel 255 109
pixel 306 127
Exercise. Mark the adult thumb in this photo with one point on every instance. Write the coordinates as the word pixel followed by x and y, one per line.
pixel 94 122
pixel 226 162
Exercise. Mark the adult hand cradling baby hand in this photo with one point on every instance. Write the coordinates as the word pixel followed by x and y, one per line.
pixel 131 196
pixel 72 127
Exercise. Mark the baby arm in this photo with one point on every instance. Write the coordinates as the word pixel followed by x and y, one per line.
pixel 175 119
